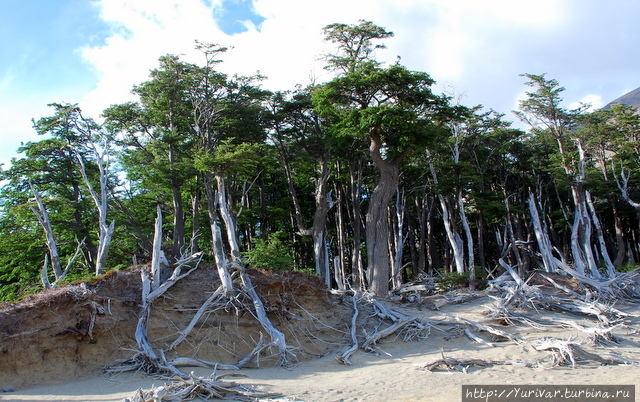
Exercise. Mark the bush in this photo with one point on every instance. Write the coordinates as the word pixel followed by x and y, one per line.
pixel 452 280
pixel 271 254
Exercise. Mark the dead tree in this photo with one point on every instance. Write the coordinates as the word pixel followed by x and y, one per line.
pixel 105 230
pixel 43 218
pixel 147 359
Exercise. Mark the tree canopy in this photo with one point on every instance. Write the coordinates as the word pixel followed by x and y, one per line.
pixel 369 180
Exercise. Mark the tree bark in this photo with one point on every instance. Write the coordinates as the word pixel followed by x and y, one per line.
pixel 544 244
pixel 377 222
pixel 229 220
pixel 357 267
pixel 43 218
pixel 470 251
pixel 216 236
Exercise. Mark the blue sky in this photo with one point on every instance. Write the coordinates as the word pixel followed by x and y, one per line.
pixel 92 52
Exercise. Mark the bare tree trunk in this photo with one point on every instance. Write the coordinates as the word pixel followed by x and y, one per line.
pixel 216 236
pixel 323 204
pixel 229 221
pixel 195 218
pixel 178 220
pixel 357 267
pixel 611 271
pixel 105 231
pixel 544 244
pixel 43 218
pixel 396 270
pixel 339 260
pixel 452 235
pixel 620 240
pixel 470 251
pixel 377 228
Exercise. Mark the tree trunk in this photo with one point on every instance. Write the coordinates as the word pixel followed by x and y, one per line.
pixel 339 260
pixel 229 221
pixel 43 218
pixel 357 267
pixel 178 220
pixel 611 271
pixel 323 204
pixel 470 251
pixel 620 240
pixel 452 235
pixel 377 222
pixel 101 201
pixel 544 245
pixel 398 243
pixel 216 236
pixel 377 231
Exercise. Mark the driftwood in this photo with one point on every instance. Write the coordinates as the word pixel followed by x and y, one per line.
pixel 499 334
pixel 194 387
pixel 566 352
pixel 372 339
pixel 193 362
pixel 462 364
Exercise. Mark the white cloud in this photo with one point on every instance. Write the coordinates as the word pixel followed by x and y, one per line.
pixel 593 100
pixel 477 47
pixel 143 31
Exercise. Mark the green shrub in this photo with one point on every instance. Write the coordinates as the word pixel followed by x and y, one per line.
pixel 452 280
pixel 271 254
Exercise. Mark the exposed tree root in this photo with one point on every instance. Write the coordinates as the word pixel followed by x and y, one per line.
pixel 344 357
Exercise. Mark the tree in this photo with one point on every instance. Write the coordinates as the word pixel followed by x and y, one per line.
pixel 298 131
pixel 157 137
pixel 395 109
pixel 543 112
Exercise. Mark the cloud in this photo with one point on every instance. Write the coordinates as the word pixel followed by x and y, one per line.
pixel 143 31
pixel 478 48
pixel 454 41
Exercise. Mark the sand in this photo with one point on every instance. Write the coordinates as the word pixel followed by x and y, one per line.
pixel 392 375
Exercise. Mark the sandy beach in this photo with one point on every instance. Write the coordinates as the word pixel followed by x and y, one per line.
pixel 393 375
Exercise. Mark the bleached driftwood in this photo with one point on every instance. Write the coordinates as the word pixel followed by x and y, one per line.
pixel 192 387
pixel 569 352
pixel 193 362
pixel 372 339
pixel 476 338
pixel 486 328
pixel 462 364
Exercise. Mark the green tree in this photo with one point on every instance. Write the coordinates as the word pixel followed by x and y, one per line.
pixel 157 137
pixel 396 110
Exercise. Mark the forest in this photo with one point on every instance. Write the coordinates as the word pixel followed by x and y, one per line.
pixel 369 181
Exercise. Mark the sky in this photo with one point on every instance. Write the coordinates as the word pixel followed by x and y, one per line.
pixel 92 52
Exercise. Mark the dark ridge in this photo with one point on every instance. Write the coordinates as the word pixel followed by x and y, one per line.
pixel 630 98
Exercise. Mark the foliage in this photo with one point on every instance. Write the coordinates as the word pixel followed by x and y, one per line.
pixel 329 157
pixel 455 280
pixel 272 254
